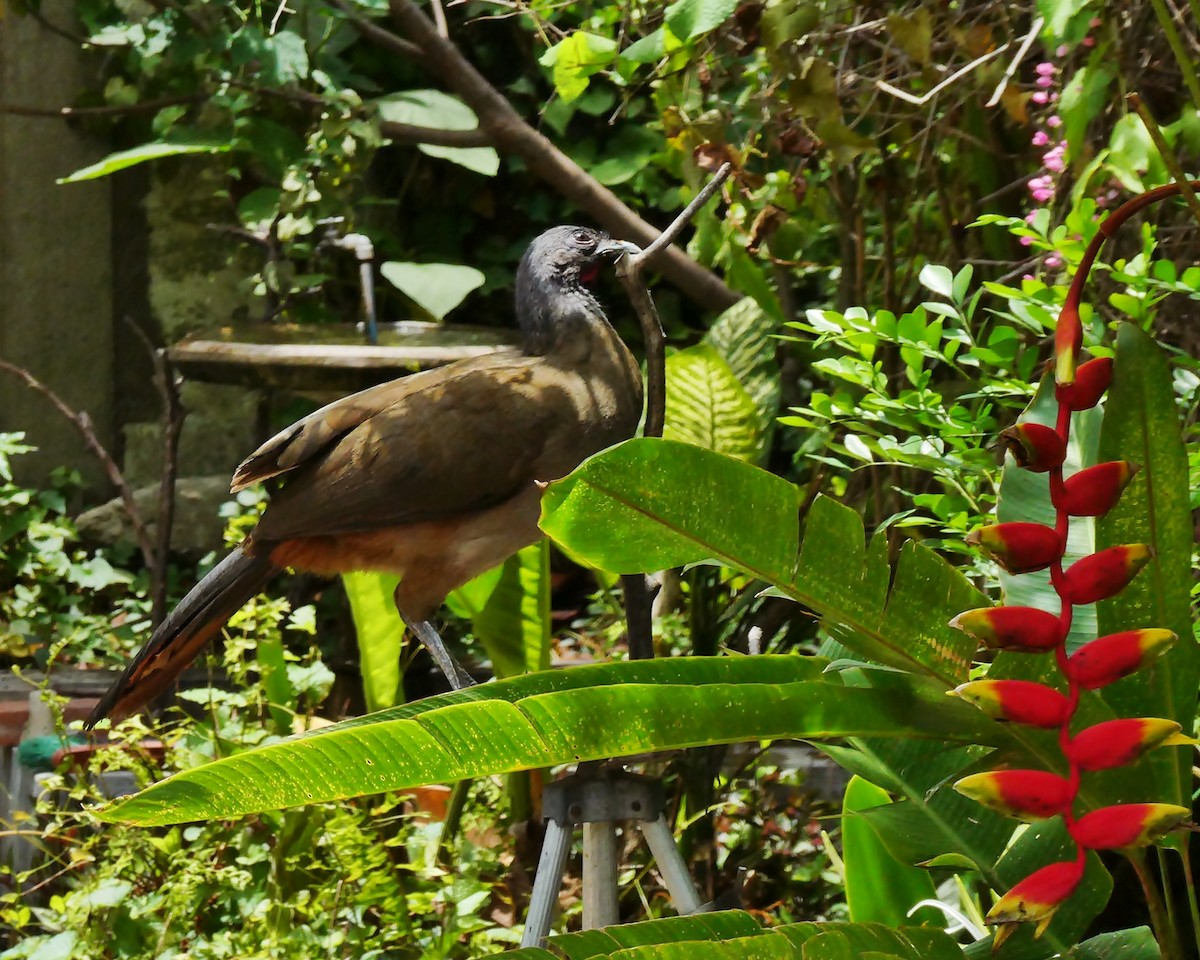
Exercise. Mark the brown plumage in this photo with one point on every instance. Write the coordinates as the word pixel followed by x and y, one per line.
pixel 434 477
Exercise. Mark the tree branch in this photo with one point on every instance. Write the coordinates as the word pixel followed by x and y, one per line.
pixel 408 133
pixel 510 133
pixel 83 423
pixel 639 591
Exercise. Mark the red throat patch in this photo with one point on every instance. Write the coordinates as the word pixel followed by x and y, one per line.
pixel 589 273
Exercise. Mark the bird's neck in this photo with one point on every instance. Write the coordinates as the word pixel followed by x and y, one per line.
pixel 552 317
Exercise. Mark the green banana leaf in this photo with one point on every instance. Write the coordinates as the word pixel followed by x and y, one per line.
pixel 707 406
pixel 509 610
pixel 379 631
pixel 551 718
pixel 650 504
pixel 879 888
pixel 1142 424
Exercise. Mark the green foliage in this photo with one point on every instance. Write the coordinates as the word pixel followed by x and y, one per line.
pixel 55 595
pixel 354 878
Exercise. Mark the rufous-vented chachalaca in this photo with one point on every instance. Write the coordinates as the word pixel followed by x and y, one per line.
pixel 434 476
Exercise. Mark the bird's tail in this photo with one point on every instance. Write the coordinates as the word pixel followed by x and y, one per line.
pixel 185 631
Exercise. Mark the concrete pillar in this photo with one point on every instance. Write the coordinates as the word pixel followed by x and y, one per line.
pixel 55 263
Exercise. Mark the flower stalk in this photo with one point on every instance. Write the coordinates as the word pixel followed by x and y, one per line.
pixel 1028 547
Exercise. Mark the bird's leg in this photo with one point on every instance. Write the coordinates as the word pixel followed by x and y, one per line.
pixel 458 677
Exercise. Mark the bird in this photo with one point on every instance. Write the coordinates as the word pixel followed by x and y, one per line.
pixel 436 476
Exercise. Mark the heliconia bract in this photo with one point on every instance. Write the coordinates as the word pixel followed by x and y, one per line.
pixel 1104 574
pixel 1068 337
pixel 1096 490
pixel 1034 446
pixel 1011 628
pixel 1091 380
pixel 1017 701
pixel 1036 898
pixel 1107 659
pixel 1019 547
pixel 1115 743
pixel 1128 825
pixel 1026 794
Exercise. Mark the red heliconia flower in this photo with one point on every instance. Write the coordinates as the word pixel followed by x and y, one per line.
pixel 1019 547
pixel 1107 659
pixel 1035 899
pixel 1127 825
pixel 1025 629
pixel 1025 794
pixel 1101 575
pixel 1096 490
pixel 1091 380
pixel 1017 701
pixel 1068 337
pixel 1034 446
pixel 1116 743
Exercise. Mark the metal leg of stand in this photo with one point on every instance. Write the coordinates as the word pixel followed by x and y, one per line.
pixel 600 874
pixel 671 865
pixel 551 865
pixel 599 799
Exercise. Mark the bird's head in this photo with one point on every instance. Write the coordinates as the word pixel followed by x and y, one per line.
pixel 552 278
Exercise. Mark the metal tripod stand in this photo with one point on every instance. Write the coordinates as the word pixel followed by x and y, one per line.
pixel 599 798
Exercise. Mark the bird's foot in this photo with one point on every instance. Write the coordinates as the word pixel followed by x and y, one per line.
pixel 428 635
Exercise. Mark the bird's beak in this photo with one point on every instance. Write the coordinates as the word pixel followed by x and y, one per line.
pixel 615 249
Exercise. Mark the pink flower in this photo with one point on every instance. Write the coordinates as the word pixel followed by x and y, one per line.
pixel 1045 81
pixel 1094 23
pixel 1041 138
pixel 1088 42
pixel 1054 120
pixel 1051 162
pixel 1052 261
pixel 1062 50
pixel 1040 96
pixel 1025 241
pixel 1045 69
pixel 1030 217
pixel 1041 188
pixel 1027 276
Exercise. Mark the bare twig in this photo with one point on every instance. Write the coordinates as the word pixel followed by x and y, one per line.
pixel 83 423
pixel 672 232
pixel 408 133
pixel 1034 30
pixel 63 113
pixel 510 134
pixel 382 38
pixel 956 75
pixel 439 19
pixel 639 594
pixel 1164 151
pixel 173 417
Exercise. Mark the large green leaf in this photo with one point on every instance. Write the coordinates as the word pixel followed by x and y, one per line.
pixel 441 111
pixel 735 935
pixel 650 504
pixel 550 718
pixel 744 336
pixel 509 610
pixel 879 888
pixel 1137 943
pixel 380 632
pixel 436 287
pixel 1142 424
pixel 140 154
pixel 707 406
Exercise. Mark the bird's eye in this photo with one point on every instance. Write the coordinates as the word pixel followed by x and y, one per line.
pixel 583 238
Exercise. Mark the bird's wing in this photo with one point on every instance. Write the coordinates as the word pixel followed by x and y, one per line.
pixel 467 440
pixel 315 434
